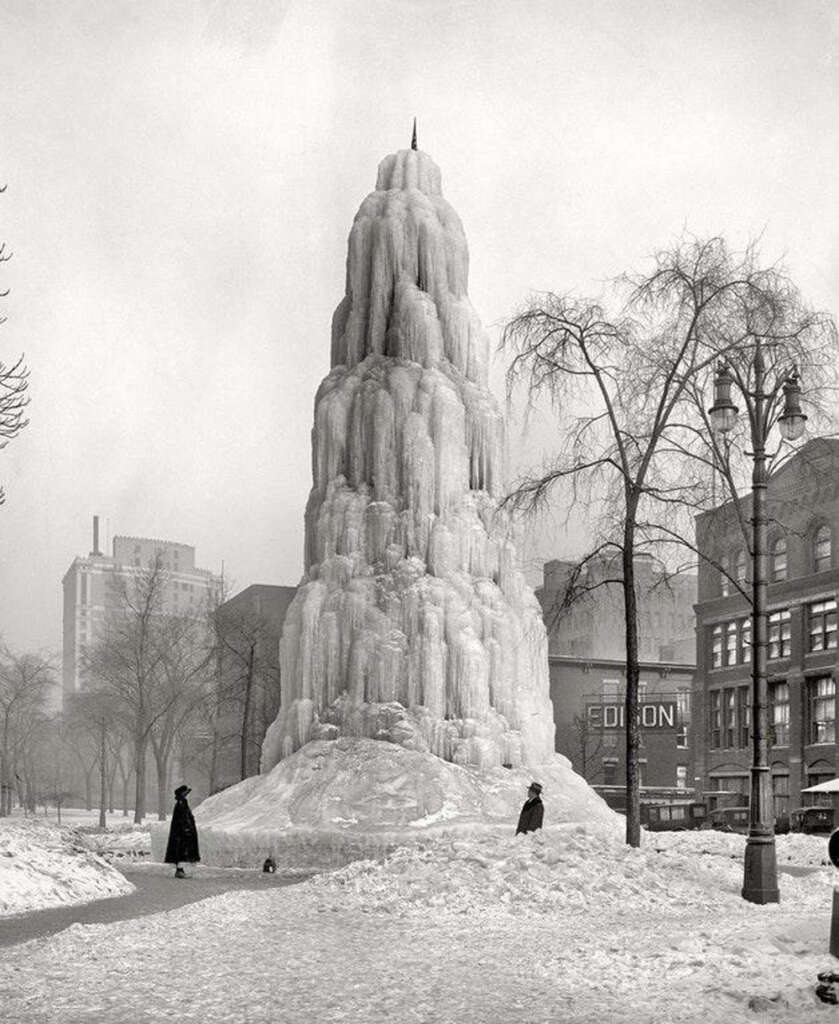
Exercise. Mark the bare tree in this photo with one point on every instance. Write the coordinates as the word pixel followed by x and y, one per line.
pixel 26 681
pixel 624 389
pixel 589 741
pixel 138 660
pixel 248 679
pixel 14 382
pixel 93 721
pixel 184 671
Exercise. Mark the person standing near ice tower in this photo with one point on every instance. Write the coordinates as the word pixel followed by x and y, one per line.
pixel 182 847
pixel 532 811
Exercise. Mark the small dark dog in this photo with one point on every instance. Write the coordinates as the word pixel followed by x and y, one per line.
pixel 270 866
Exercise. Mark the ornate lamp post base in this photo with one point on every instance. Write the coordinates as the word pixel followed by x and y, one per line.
pixel 760 872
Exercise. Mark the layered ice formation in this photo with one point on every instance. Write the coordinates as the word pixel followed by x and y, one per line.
pixel 413 623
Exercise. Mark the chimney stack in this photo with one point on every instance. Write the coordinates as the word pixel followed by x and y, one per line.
pixel 96 550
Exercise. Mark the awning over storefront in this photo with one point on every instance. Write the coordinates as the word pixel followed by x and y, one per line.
pixel 831 786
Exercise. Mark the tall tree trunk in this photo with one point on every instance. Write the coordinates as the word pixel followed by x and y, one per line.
pixel 161 760
pixel 88 787
pixel 103 776
pixel 4 768
pixel 140 743
pixel 633 792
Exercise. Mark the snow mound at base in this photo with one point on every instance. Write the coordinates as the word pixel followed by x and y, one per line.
pixel 336 801
pixel 574 868
pixel 47 865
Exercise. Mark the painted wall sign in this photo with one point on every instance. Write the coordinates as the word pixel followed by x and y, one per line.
pixel 659 714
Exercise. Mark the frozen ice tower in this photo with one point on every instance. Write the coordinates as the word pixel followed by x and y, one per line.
pixel 413 623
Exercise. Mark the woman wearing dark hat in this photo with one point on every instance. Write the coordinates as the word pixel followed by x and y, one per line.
pixel 531 813
pixel 183 836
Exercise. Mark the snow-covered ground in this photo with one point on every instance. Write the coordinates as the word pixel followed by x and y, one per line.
pixel 566 926
pixel 43 864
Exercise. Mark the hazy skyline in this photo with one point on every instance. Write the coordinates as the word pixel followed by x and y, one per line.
pixel 182 178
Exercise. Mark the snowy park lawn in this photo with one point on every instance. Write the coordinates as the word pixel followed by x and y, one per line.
pixel 43 864
pixel 567 926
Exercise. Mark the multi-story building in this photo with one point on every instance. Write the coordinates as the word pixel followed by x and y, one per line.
pixel 89 590
pixel 803 583
pixel 587 663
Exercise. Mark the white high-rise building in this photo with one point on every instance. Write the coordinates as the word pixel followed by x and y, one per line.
pixel 89 591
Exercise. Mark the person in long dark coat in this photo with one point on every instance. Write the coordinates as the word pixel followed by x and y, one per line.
pixel 531 813
pixel 182 847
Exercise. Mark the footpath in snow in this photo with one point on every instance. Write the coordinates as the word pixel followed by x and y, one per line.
pixel 567 926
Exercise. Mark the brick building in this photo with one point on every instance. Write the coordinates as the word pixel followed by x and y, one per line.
pixel 588 695
pixel 587 664
pixel 803 581
pixel 250 627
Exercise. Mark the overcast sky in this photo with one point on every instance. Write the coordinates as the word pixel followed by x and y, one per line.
pixel 182 176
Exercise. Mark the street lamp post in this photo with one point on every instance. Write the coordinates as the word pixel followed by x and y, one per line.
pixel 760 871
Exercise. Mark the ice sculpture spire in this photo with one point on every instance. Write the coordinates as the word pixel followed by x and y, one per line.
pixel 414 135
pixel 413 623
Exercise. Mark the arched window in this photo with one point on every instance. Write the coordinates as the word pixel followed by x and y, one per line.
pixel 779 560
pixel 725 581
pixel 822 554
pixel 740 566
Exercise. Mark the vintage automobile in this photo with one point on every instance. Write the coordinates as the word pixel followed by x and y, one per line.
pixel 728 819
pixel 672 817
pixel 811 819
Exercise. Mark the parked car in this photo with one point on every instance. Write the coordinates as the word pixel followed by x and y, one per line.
pixel 811 819
pixel 728 819
pixel 672 817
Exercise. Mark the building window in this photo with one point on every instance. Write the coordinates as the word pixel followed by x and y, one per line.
pixel 815 778
pixel 780 794
pixel 745 641
pixel 779 634
pixel 730 736
pixel 779 714
pixel 822 555
pixel 779 560
pixel 731 643
pixel 725 576
pixel 822 620
pixel 716 647
pixel 744 715
pixel 610 687
pixel 821 695
pixel 740 566
pixel 715 717
pixel 731 791
pixel 681 776
pixel 610 773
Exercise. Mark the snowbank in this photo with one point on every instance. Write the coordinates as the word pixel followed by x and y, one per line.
pixel 120 841
pixel 563 868
pixel 46 865
pixel 333 802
